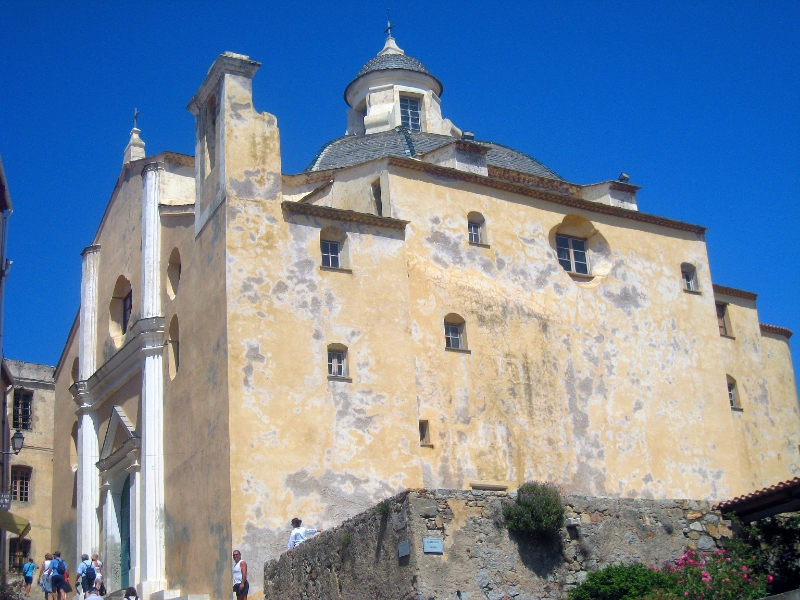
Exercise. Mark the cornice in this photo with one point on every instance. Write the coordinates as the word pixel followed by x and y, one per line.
pixel 338 214
pixel 176 210
pixel 776 329
pixel 129 449
pixel 556 198
pixel 155 165
pixel 228 63
pixel 729 291
pixel 146 336
pixel 304 178
pixel 90 250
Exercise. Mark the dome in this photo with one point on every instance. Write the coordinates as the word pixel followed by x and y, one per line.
pixel 393 58
pixel 355 149
pixel 392 61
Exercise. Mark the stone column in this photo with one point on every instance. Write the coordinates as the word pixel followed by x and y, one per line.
pixel 110 556
pixel 136 529
pixel 88 537
pixel 152 551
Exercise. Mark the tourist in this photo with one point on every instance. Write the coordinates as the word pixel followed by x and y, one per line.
pixel 98 574
pixel 27 572
pixel 92 594
pixel 44 578
pixel 85 574
pixel 241 587
pixel 131 594
pixel 299 534
pixel 59 576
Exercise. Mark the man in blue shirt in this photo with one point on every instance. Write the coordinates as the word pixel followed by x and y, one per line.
pixel 27 571
pixel 58 566
pixel 85 574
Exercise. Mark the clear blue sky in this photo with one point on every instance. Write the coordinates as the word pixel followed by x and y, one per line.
pixel 698 101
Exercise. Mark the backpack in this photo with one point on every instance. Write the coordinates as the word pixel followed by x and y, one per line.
pixel 61 566
pixel 90 573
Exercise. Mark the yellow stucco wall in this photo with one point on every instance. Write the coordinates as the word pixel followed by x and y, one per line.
pixel 65 456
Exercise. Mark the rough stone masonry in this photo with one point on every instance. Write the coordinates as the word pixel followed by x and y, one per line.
pixel 479 558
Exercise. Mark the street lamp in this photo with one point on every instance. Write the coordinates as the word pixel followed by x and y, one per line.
pixel 17 440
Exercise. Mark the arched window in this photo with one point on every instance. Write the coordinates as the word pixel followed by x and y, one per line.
pixel 337 361
pixel 689 277
pixel 174 347
pixel 476 228
pixel 455 337
pixel 120 308
pixel 173 273
pixel 581 250
pixel 377 197
pixel 733 393
pixel 76 372
pixel 333 247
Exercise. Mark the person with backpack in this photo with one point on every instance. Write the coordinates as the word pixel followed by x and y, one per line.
pixel 86 574
pixel 58 570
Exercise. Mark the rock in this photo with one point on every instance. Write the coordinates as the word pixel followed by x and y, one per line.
pixel 692 545
pixel 712 530
pixel 711 518
pixel 696 527
pixel 424 507
pixel 482 578
pixel 706 543
pixel 581 577
pixel 596 517
pixel 438 522
pixel 694 535
pixel 586 518
pixel 725 531
pixel 693 515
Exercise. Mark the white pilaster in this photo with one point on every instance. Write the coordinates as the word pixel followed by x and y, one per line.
pixel 135 573
pixel 88 477
pixel 88 538
pixel 152 551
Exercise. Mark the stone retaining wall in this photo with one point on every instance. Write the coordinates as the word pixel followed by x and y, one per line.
pixel 480 559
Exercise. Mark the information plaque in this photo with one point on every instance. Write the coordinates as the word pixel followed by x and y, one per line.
pixel 5 501
pixel 433 545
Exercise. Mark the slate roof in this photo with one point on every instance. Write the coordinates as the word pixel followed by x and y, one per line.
pixel 392 61
pixel 356 149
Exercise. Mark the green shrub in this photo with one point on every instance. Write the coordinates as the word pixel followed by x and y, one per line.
pixel 345 539
pixel 774 543
pixel 537 512
pixel 622 582
pixel 383 508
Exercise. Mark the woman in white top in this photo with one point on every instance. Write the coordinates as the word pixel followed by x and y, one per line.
pixel 98 569
pixel 241 586
pixel 44 578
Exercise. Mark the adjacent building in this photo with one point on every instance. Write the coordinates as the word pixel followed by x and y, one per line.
pixel 418 308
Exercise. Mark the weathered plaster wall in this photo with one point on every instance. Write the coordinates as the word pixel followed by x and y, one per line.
pixel 37 452
pixel 592 385
pixel 359 560
pixel 65 455
pixel 767 428
pixel 196 439
pixel 120 240
pixel 301 443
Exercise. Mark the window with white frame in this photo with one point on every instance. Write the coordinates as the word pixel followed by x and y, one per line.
pixel 476 226
pixel 689 276
pixel 572 255
pixel 23 409
pixel 337 361
pixel 331 254
pixel 454 338
pixel 20 484
pixel 733 393
pixel 410 113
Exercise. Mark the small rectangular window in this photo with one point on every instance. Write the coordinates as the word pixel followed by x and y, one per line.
pixel 20 484
pixel 127 308
pixel 376 195
pixel 452 336
pixel 722 319
pixel 732 394
pixel 572 255
pixel 689 280
pixel 336 363
pixel 23 409
pixel 330 254
pixel 424 433
pixel 410 113
pixel 474 232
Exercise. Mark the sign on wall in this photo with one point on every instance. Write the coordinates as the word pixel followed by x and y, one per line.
pixel 5 501
pixel 433 545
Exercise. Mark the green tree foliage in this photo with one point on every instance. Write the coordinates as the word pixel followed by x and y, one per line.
pixel 774 543
pixel 538 511
pixel 622 582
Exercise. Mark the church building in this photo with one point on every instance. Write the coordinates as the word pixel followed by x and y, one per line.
pixel 417 308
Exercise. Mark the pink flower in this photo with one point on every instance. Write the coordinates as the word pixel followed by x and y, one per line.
pixel 770 579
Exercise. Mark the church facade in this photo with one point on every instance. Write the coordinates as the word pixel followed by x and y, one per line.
pixel 417 308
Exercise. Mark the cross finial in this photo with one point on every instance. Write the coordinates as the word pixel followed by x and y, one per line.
pixel 389 26
pixel 135 117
